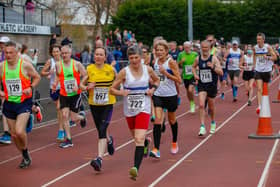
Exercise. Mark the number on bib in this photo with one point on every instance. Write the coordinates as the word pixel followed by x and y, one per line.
pixel 136 103
pixel 101 95
pixel 261 60
pixel 188 70
pixel 70 85
pixel 205 75
pixel 14 87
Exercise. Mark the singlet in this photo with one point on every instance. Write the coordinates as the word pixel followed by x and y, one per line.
pixel 207 76
pixel 136 101
pixel 167 86
pixel 187 64
pixel 234 59
pixel 69 78
pixel 103 79
pixel 14 82
pixel 262 64
pixel 248 63
pixel 53 75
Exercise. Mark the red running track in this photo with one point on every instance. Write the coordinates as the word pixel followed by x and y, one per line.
pixel 227 158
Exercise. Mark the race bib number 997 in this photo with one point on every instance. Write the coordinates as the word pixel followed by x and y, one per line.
pixel 101 95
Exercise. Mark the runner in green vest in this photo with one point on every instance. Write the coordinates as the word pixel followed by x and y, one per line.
pixel 186 59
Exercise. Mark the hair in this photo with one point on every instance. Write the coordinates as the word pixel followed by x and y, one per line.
pixel 68 46
pixel 262 35
pixel 187 43
pixel 157 38
pixel 210 35
pixel 23 48
pixel 134 50
pixel 86 48
pixel 11 44
pixel 162 43
pixel 173 42
pixel 104 49
pixel 205 41
pixel 145 47
pixel 54 46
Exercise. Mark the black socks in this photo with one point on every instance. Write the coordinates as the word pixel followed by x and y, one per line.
pixel 174 129
pixel 138 156
pixel 157 135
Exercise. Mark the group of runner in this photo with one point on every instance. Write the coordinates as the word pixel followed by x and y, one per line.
pixel 148 87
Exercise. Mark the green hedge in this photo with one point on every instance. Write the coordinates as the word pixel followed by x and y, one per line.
pixel 168 18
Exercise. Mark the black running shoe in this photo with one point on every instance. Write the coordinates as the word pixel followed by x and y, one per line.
pixel 96 164
pixel 83 122
pixel 25 163
pixel 110 145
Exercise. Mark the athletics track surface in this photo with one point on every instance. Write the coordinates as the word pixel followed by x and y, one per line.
pixel 227 158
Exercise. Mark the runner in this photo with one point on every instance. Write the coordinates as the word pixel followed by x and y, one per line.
pixel 248 74
pixel 136 101
pixel 16 78
pixel 68 72
pixel 99 79
pixel 263 58
pixel 209 69
pixel 223 79
pixel 165 96
pixel 50 72
pixel 235 56
pixel 186 60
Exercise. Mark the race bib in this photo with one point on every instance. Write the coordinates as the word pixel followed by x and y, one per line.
pixel 14 87
pixel 161 76
pixel 188 70
pixel 101 95
pixel 135 103
pixel 261 60
pixel 70 85
pixel 205 76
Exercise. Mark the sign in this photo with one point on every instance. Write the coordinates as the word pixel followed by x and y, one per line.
pixel 24 29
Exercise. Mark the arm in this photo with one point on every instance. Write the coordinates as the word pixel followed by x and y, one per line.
pixel 241 63
pixel 155 81
pixel 272 53
pixel 45 71
pixel 195 64
pixel 215 65
pixel 2 93
pixel 254 58
pixel 116 84
pixel 174 68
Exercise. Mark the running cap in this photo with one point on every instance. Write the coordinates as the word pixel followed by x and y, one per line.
pixel 187 43
pixel 4 39
pixel 235 42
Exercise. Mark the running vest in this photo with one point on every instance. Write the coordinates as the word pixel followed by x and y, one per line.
pixel 234 59
pixel 52 78
pixel 14 82
pixel 69 78
pixel 248 63
pixel 213 51
pixel 103 79
pixel 262 63
pixel 206 75
pixel 167 86
pixel 136 101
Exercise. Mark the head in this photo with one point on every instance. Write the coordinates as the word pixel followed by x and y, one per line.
pixel 100 55
pixel 11 51
pixel 180 47
pixel 260 38
pixel 187 46
pixel 86 48
pixel 157 38
pixel 234 44
pixel 3 40
pixel 145 51
pixel 134 54
pixel 24 49
pixel 249 50
pixel 229 45
pixel 99 43
pixel 173 45
pixel 55 51
pixel 211 39
pixel 66 52
pixel 162 49
pixel 205 48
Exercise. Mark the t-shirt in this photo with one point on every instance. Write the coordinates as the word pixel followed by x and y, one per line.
pixel 187 64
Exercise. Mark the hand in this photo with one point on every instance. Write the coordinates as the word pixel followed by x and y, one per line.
pixel 91 85
pixel 125 92
pixel 113 63
pixel 75 88
pixel 196 77
pixel 54 88
pixel 27 91
pixel 150 92
pixel 210 65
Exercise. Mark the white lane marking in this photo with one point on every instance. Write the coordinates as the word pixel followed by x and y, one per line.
pixel 263 179
pixel 200 144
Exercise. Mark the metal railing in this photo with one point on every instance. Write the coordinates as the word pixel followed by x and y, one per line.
pixel 19 15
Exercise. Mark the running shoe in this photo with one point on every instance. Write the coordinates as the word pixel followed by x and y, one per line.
pixel 202 131
pixel 30 122
pixel 72 123
pixel 174 148
pixel 258 110
pixel 5 139
pixel 234 100
pixel 212 127
pixel 25 163
pixel 110 145
pixel 96 164
pixel 83 122
pixel 39 115
pixel 60 135
pixel 155 153
pixel 66 143
pixel 223 96
pixel 192 106
pixel 163 126
pixel 146 147
pixel 133 172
